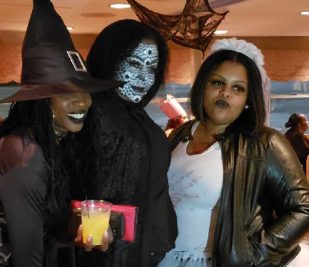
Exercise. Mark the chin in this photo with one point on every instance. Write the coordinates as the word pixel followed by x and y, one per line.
pixel 75 129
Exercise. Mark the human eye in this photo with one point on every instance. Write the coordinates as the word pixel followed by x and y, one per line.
pixel 216 83
pixel 153 68
pixel 133 62
pixel 239 89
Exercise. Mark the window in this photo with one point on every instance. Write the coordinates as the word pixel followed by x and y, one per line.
pixel 286 98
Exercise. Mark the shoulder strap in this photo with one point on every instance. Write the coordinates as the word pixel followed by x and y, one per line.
pixel 181 133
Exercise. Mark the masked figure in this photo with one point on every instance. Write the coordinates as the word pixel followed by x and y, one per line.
pixel 125 155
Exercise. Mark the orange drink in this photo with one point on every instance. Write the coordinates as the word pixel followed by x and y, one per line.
pixel 95 219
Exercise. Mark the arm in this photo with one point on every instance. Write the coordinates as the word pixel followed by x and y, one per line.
pixel 300 145
pixel 22 193
pixel 288 187
pixel 163 215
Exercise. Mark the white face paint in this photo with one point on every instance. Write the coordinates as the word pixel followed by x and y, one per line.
pixel 138 72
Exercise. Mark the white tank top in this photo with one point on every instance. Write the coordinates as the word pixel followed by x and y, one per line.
pixel 195 183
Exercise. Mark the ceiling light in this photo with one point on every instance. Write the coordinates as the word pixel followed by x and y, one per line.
pixel 119 6
pixel 220 32
pixel 305 13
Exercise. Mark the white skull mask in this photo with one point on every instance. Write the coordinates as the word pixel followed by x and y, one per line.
pixel 138 72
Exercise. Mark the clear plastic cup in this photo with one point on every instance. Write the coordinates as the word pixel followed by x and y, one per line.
pixel 95 219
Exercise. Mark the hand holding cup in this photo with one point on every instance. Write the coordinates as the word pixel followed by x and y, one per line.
pixel 107 239
pixel 95 230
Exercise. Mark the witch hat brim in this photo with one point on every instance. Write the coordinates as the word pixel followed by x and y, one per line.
pixel 13 92
pixel 8 89
pixel 50 63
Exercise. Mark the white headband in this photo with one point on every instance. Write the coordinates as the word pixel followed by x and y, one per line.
pixel 251 51
pixel 248 49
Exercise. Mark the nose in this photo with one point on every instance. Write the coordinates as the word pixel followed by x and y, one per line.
pixel 83 100
pixel 225 91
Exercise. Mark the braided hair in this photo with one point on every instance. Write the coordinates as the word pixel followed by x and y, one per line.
pixel 33 118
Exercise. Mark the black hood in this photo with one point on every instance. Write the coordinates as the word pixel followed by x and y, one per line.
pixel 115 42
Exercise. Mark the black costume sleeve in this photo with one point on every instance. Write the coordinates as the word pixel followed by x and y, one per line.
pixel 125 162
pixel 23 200
pixel 288 186
pixel 22 192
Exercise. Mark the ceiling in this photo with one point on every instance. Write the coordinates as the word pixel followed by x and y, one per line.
pixel 246 17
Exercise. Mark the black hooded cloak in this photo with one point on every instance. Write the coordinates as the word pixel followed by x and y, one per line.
pixel 124 159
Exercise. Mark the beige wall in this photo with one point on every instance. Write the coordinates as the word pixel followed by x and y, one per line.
pixel 10 50
pixel 183 64
pixel 287 58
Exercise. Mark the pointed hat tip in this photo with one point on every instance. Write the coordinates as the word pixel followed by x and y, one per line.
pixel 37 3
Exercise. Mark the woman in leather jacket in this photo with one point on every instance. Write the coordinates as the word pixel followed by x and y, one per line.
pixel 239 192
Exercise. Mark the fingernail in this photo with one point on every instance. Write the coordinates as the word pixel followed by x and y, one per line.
pixel 89 238
pixel 105 235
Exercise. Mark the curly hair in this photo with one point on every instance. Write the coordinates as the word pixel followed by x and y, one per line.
pixel 34 118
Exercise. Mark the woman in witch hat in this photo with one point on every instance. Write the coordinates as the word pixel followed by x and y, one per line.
pixel 52 101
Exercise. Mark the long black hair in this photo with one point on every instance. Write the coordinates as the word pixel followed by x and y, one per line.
pixel 251 120
pixel 33 119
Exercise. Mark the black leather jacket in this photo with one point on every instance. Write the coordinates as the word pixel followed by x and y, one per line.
pixel 264 205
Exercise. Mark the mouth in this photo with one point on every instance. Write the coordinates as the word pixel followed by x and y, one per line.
pixel 222 103
pixel 77 117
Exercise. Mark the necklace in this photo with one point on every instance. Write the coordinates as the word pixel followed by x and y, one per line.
pixel 59 135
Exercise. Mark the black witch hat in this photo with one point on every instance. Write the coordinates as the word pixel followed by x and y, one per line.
pixel 50 63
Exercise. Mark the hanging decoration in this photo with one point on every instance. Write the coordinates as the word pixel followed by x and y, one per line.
pixel 193 28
